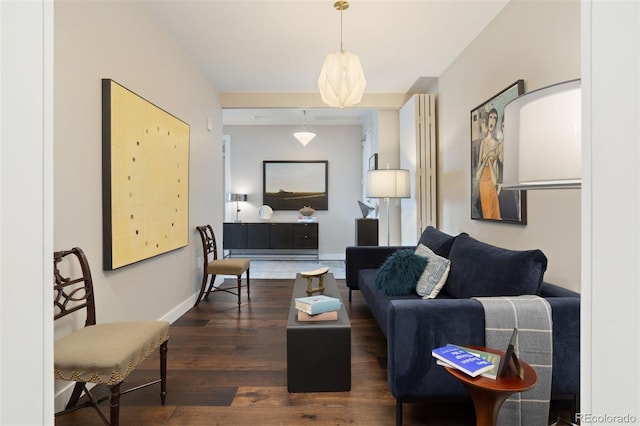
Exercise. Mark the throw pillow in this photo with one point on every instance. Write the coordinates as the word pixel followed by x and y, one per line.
pixel 399 274
pixel 434 275
pixel 439 242
pixel 482 270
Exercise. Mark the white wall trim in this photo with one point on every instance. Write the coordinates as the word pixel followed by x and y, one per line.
pixel 26 212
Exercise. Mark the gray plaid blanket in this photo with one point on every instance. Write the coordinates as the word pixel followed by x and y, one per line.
pixel 531 315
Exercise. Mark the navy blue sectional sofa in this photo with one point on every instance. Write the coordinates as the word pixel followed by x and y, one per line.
pixel 413 326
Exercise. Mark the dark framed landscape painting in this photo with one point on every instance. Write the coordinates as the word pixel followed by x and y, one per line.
pixel 291 185
pixel 489 201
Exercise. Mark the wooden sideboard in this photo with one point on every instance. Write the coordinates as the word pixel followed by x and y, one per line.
pixel 271 239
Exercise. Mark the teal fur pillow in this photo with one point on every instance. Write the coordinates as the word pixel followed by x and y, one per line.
pixel 399 274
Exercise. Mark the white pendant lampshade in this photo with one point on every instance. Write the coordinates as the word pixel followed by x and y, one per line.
pixel 304 137
pixel 341 82
pixel 543 143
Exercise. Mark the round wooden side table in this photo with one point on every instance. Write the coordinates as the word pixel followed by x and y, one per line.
pixel 489 394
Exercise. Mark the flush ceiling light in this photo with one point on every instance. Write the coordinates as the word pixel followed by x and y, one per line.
pixel 304 137
pixel 341 80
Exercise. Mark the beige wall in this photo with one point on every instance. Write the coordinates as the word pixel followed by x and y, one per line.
pixel 537 41
pixel 118 40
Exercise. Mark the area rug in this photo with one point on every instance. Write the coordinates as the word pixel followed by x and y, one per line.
pixel 287 269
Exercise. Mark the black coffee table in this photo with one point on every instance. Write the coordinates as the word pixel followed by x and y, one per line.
pixel 318 352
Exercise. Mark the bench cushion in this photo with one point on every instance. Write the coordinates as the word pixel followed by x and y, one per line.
pixel 107 353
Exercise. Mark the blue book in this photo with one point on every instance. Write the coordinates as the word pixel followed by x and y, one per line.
pixel 317 304
pixel 461 359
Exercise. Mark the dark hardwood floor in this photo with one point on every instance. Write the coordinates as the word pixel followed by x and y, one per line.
pixel 229 368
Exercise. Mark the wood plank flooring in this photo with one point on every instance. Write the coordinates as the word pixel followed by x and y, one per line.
pixel 229 368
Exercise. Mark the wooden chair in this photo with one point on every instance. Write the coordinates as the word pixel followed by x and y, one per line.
pixel 213 266
pixel 99 353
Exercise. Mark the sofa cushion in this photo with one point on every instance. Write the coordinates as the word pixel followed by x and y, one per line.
pixel 399 274
pixel 482 270
pixel 377 301
pixel 439 242
pixel 434 275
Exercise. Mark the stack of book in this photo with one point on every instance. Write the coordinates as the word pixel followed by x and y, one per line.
pixel 468 360
pixel 317 308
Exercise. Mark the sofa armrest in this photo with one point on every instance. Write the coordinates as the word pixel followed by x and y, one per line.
pixel 365 257
pixel 552 290
pixel 415 327
pixel 565 314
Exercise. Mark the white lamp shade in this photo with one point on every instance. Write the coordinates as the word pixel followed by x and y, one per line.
pixel 388 183
pixel 543 138
pixel 341 80
pixel 304 137
pixel 237 197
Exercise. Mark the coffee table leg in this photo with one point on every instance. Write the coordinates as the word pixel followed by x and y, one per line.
pixel 487 404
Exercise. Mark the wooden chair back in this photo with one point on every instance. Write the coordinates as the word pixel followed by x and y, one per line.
pixel 73 286
pixel 209 245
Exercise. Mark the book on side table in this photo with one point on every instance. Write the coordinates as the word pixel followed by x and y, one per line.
pixel 462 359
pixel 487 356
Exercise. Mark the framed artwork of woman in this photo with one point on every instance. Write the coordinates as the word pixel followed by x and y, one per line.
pixel 489 201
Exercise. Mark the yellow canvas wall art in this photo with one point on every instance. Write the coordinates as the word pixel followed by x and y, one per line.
pixel 145 178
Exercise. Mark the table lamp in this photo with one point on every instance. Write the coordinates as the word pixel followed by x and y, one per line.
pixel 237 198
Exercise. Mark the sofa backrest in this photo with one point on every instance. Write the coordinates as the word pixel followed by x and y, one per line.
pixel 481 270
pixel 439 242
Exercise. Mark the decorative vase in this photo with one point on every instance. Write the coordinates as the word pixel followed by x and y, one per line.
pixel 307 211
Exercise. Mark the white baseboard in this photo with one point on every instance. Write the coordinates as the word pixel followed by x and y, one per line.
pixel 332 256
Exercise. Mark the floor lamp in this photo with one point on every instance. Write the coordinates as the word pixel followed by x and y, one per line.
pixel 237 198
pixel 387 184
pixel 543 130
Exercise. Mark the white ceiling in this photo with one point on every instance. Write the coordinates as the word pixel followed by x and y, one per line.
pixel 271 46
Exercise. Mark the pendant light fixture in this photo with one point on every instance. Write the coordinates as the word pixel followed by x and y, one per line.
pixel 304 137
pixel 341 80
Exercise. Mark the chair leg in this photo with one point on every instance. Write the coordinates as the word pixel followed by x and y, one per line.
pixel 239 289
pixel 72 405
pixel 248 285
pixel 115 405
pixel 163 372
pixel 202 288
pixel 75 395
pixel 211 282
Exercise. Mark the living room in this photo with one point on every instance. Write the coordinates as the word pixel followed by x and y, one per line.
pixel 516 45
